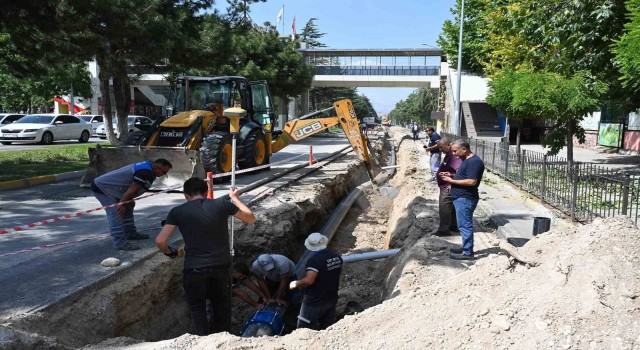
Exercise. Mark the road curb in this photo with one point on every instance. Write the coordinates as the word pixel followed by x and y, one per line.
pixel 38 180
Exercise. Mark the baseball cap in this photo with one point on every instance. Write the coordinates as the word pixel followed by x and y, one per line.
pixel 316 241
pixel 266 262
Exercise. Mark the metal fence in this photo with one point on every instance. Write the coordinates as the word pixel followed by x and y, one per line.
pixel 582 190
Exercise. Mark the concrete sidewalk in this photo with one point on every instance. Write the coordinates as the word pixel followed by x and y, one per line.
pixel 511 211
pixel 605 156
pixel 506 208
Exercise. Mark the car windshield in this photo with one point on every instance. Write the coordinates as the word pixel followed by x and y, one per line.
pixel 36 119
pixel 86 118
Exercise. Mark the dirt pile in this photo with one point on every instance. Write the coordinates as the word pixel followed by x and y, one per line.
pixel 146 301
pixel 580 291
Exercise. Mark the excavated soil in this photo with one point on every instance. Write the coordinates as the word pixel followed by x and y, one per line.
pixel 579 290
pixel 146 301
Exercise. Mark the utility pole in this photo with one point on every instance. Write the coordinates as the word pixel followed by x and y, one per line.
pixel 457 120
pixel 71 103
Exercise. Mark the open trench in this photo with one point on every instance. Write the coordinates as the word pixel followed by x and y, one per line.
pixel 145 301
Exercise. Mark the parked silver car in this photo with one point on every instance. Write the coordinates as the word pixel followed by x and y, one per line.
pixel 94 120
pixel 45 128
pixel 134 123
pixel 8 118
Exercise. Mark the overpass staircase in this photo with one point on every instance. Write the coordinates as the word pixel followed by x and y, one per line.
pixel 480 120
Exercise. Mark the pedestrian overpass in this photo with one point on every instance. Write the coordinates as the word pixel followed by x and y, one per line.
pixel 375 67
pixel 409 68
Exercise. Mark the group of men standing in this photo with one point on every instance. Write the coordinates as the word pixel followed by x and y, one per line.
pixel 458 176
pixel 208 275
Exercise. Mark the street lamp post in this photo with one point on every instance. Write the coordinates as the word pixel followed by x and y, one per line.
pixel 457 120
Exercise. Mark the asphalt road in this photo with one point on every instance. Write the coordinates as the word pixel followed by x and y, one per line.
pixel 21 145
pixel 40 276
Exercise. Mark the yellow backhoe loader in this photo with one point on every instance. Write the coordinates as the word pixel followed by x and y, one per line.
pixel 197 139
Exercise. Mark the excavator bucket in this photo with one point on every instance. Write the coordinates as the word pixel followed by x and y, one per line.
pixel 186 163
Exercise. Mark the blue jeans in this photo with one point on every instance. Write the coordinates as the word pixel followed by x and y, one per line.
pixel 121 227
pixel 464 215
pixel 433 160
pixel 317 317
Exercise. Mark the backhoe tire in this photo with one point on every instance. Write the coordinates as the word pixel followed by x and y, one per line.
pixel 132 138
pixel 254 150
pixel 215 154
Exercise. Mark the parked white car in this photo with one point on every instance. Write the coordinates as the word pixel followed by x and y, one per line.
pixel 134 123
pixel 94 120
pixel 45 128
pixel 8 118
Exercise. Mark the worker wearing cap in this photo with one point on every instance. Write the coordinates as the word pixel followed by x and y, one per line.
pixel 321 283
pixel 274 271
pixel 123 185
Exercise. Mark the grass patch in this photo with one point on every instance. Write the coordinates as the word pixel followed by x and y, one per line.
pixel 20 164
pixel 335 130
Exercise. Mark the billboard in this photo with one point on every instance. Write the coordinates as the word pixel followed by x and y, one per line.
pixel 369 120
pixel 591 121
pixel 610 135
pixel 634 121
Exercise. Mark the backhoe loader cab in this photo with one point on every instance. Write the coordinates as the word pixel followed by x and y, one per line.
pixel 198 122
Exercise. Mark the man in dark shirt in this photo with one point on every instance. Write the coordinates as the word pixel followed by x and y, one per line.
pixel 434 149
pixel 464 191
pixel 206 274
pixel 321 280
pixel 446 210
pixel 122 185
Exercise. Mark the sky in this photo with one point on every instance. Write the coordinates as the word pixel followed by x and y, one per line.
pixel 364 24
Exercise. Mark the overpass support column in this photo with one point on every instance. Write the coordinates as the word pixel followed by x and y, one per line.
pixel 293 108
pixel 304 102
pixel 282 112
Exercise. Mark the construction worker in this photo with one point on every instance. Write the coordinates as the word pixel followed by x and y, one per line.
pixel 274 272
pixel 206 274
pixel 446 210
pixel 434 149
pixel 321 283
pixel 122 185
pixel 464 191
pixel 242 274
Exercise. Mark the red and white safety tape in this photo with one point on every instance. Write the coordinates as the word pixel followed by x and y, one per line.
pixel 76 214
pixel 80 213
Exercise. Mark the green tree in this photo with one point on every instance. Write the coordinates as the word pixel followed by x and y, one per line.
pixel 324 97
pixel 474 51
pixel 238 11
pixel 549 96
pixel 311 34
pixel 24 90
pixel 557 36
pixel 626 49
pixel 417 107
pixel 123 37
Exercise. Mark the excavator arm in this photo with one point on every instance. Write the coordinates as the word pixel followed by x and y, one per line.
pixel 307 125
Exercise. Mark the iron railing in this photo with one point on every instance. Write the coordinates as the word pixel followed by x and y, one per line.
pixel 582 190
pixel 377 70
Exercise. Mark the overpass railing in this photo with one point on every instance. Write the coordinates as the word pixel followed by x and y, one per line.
pixel 378 70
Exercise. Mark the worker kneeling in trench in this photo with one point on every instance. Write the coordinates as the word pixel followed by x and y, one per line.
pixel 321 283
pixel 207 272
